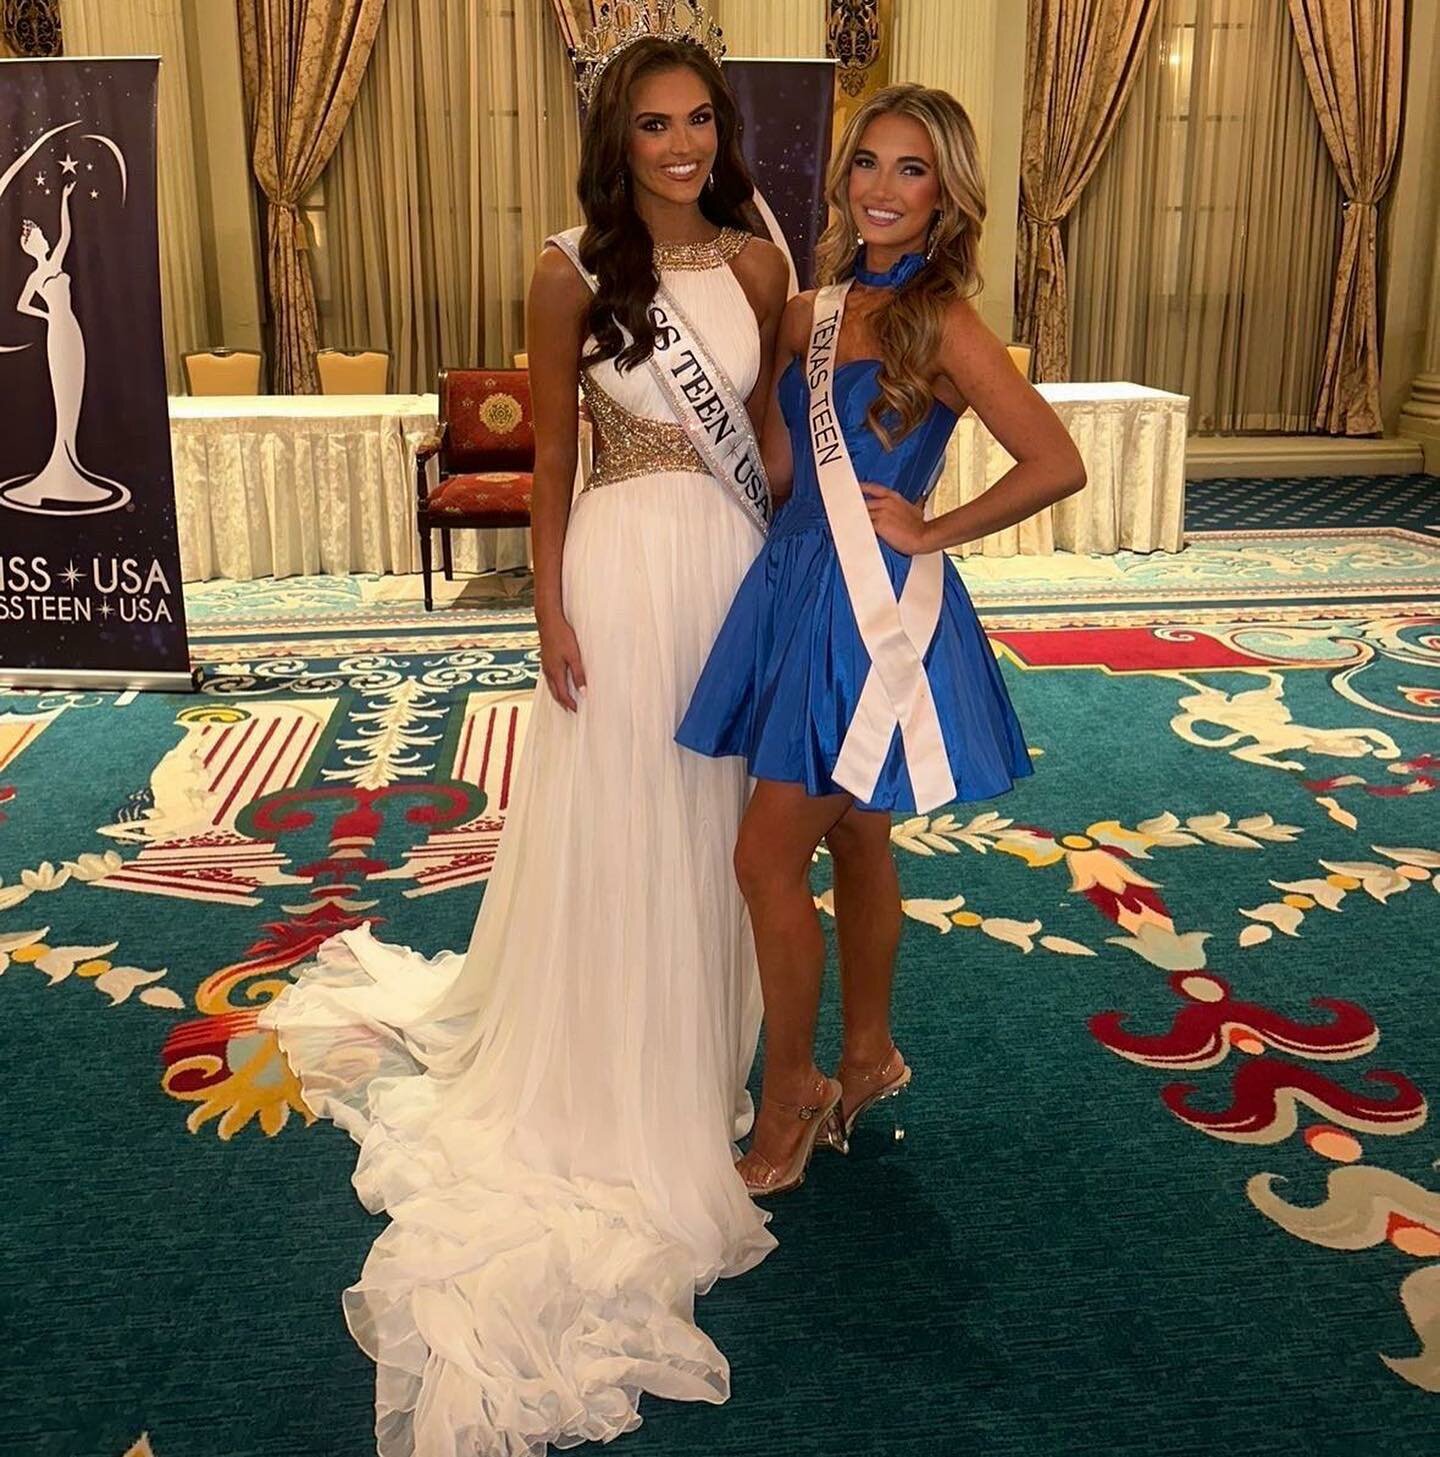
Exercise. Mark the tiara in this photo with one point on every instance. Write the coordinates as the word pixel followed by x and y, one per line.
pixel 620 24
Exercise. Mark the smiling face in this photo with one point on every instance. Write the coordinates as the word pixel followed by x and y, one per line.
pixel 673 137
pixel 894 189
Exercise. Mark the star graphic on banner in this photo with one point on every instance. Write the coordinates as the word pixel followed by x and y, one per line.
pixel 72 574
pixel 39 179
pixel 106 609
pixel 89 166
pixel 93 193
pixel 69 165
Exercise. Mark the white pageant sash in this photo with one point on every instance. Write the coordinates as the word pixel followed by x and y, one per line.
pixel 896 634
pixel 707 405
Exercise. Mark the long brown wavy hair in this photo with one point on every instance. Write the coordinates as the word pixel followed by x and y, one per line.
pixel 616 245
pixel 908 328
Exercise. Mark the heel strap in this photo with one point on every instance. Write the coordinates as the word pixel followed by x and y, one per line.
pixel 879 1070
pixel 804 1111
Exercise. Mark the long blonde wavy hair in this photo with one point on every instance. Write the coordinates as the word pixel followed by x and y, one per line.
pixel 908 328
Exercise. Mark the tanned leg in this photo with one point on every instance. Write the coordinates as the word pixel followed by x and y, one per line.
pixel 867 922
pixel 777 841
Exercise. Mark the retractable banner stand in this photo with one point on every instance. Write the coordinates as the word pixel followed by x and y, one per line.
pixel 789 111
pixel 90 591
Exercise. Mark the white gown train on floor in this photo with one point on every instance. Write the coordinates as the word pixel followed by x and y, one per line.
pixel 547 1121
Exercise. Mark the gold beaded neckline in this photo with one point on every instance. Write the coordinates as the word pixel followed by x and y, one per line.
pixel 693 257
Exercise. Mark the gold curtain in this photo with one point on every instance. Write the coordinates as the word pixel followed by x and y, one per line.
pixel 1202 253
pixel 102 28
pixel 574 18
pixel 1354 59
pixel 1081 59
pixel 459 160
pixel 303 67
pixel 753 28
pixel 762 29
pixel 939 43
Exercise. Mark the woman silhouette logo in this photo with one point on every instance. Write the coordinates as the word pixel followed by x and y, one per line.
pixel 63 487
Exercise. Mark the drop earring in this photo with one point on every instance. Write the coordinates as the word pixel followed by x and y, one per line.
pixel 932 240
pixel 710 182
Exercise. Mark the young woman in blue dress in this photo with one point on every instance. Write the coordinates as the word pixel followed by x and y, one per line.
pixel 852 673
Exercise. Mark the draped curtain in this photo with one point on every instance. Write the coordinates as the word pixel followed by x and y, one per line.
pixel 1082 57
pixel 304 61
pixel 1202 253
pixel 753 28
pixel 762 28
pixel 1354 60
pixel 459 160
pixel 103 28
pixel 939 43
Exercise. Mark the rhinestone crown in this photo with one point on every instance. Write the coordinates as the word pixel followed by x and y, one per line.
pixel 620 24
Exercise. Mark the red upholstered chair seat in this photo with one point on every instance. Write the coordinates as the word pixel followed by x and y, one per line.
pixel 487 493
pixel 482 457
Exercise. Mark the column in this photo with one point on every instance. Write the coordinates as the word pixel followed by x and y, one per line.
pixel 1420 414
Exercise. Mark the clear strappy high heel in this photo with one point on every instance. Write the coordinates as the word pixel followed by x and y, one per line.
pixel 882 1083
pixel 821 1119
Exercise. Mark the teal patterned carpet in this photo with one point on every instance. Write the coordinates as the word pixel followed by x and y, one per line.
pixel 1171 1182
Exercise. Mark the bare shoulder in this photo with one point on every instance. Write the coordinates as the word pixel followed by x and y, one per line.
pixel 556 314
pixel 555 286
pixel 761 270
pixel 970 347
pixel 964 328
pixel 765 262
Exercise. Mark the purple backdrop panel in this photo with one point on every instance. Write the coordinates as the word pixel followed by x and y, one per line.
pixel 89 557
pixel 789 107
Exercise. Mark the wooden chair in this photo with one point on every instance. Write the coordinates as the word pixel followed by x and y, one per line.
pixel 353 371
pixel 224 371
pixel 484 449
pixel 1020 356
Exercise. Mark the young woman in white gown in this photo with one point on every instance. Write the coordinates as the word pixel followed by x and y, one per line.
pixel 548 1121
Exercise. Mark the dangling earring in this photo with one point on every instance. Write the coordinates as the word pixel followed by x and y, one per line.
pixel 710 182
pixel 932 240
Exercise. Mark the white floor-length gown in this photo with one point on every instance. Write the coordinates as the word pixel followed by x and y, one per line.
pixel 547 1121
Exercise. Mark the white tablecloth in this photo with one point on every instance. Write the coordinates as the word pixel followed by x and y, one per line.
pixel 1132 440
pixel 284 485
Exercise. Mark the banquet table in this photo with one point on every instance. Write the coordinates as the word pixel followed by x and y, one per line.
pixel 1132 440
pixel 286 485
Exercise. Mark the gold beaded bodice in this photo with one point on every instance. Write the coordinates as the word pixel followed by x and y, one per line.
pixel 630 438
pixel 627 446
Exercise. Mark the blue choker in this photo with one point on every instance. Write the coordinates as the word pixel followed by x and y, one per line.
pixel 897 275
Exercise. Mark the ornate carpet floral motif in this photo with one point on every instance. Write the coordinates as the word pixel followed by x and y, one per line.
pixel 1227 808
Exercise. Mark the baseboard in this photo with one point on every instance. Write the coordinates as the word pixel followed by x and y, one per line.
pixel 1208 457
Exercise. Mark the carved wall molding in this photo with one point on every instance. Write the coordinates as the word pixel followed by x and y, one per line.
pixel 854 40
pixel 32 27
